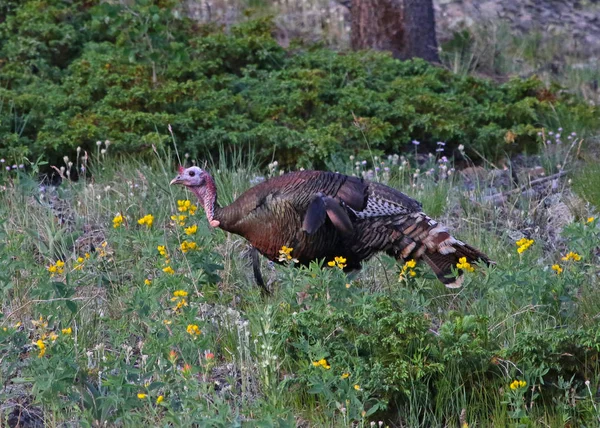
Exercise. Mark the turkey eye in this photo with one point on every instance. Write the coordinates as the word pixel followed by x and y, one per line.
pixel 192 173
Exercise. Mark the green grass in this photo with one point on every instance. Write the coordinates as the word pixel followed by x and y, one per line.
pixel 417 354
pixel 587 183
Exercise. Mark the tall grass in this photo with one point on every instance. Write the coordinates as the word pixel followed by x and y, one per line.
pixel 253 360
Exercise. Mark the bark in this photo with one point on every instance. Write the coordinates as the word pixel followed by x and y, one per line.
pixel 406 28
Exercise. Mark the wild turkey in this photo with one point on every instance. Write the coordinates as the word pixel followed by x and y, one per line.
pixel 323 215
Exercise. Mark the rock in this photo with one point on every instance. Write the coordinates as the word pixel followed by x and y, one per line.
pixel 578 20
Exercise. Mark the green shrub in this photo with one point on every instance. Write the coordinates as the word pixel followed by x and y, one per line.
pixel 74 75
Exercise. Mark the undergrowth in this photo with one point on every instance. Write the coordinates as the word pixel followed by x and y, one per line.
pixel 73 75
pixel 122 307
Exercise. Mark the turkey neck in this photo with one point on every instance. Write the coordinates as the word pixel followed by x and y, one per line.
pixel 207 195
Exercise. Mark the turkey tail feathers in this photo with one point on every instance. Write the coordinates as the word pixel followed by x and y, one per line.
pixel 442 264
pixel 425 238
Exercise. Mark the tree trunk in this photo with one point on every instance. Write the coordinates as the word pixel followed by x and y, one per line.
pixel 404 27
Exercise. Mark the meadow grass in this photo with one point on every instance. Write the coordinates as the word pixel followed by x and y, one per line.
pixel 109 320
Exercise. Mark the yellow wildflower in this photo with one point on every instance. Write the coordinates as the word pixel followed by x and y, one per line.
pixel 285 255
pixel 188 246
pixel 179 297
pixel 340 262
pixel 168 270
pixel 118 221
pixel 408 267
pixel 193 330
pixel 347 285
pixel 53 336
pixel 167 322
pixel 523 244
pixel 590 219
pixel 79 259
pixel 321 363
pixel 357 387
pixel 345 375
pixel 162 250
pixel 147 220
pixel 86 255
pixel 191 230
pixel 57 268
pixel 192 209
pixel 42 347
pixel 101 250
pixel 67 331
pixel 183 206
pixel 465 265
pixel 180 304
pixel 179 219
pixel 147 281
pixel 557 268
pixel 159 399
pixel 141 395
pixel 571 256
pixel 79 264
pixel 516 384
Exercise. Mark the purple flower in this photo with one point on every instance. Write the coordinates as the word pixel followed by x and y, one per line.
pixel 441 149
pixel 550 133
pixel 548 142
pixel 443 159
pixel 440 143
pixel 21 166
pixel 539 134
pixel 573 133
pixel 8 168
pixel 559 129
pixel 415 142
pixel 557 136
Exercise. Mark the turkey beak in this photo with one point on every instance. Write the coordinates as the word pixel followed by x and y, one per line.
pixel 176 180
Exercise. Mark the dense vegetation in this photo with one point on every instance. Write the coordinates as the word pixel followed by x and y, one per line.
pixel 71 75
pixel 146 316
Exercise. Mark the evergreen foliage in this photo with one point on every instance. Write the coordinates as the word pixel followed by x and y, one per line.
pixel 75 73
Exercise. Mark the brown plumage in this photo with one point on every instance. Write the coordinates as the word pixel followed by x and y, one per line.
pixel 322 215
